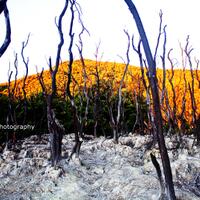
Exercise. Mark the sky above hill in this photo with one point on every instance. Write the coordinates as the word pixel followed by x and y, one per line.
pixel 104 19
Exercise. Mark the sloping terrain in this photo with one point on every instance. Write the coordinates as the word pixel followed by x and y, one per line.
pixel 110 75
pixel 108 171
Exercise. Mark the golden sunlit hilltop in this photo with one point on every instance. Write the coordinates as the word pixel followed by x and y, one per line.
pixel 110 74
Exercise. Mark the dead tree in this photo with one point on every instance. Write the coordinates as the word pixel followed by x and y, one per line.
pixel 96 96
pixel 172 120
pixel 139 125
pixel 2 5
pixel 156 103
pixel 181 117
pixel 169 111
pixel 7 39
pixel 160 177
pixel 85 89
pixel 195 118
pixel 119 105
pixel 11 116
pixel 197 72
pixel 198 117
pixel 26 62
pixel 197 130
pixel 150 116
pixel 188 51
pixel 55 129
pixel 162 30
pixel 115 121
pixel 77 125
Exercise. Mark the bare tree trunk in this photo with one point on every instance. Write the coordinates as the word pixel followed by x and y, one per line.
pixel 2 5
pixel 195 119
pixel 25 61
pixel 139 122
pixel 183 104
pixel 147 89
pixel 115 121
pixel 197 72
pixel 55 129
pixel 7 39
pixel 159 173
pixel 174 109
pixel 156 103
pixel 11 116
pixel 197 130
pixel 119 107
pixel 83 120
pixel 77 123
pixel 97 109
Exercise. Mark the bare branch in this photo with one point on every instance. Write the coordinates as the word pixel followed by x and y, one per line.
pixel 9 82
pixel 25 61
pixel 7 39
pixel 188 51
pixel 41 80
pixel 2 5
pixel 85 77
pixel 174 109
pixel 197 72
pixel 59 27
pixel 159 35
pixel 16 73
pixel 71 57
pixel 120 86
pixel 163 57
pixel 138 50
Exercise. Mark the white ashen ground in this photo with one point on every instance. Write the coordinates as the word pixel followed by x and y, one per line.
pixel 109 171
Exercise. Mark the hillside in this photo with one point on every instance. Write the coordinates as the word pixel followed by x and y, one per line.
pixel 107 71
pixel 110 75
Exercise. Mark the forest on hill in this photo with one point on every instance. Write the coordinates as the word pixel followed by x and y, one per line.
pixel 180 96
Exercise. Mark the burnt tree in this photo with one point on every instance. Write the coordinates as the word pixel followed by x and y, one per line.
pixel 172 118
pixel 26 62
pixel 78 122
pixel 181 117
pixel 2 5
pixel 160 177
pixel 85 89
pixel 115 121
pixel 7 40
pixel 191 87
pixel 156 102
pixel 11 115
pixel 97 110
pixel 55 129
pixel 150 116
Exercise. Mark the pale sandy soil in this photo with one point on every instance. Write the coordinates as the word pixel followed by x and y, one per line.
pixel 109 171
